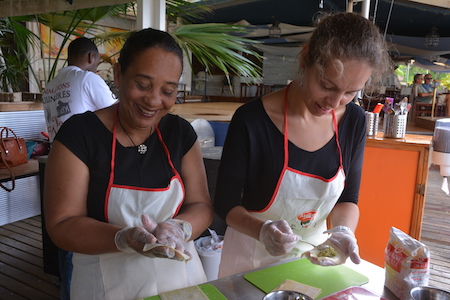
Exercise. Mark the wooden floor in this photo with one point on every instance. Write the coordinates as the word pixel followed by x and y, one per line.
pixel 22 276
pixel 436 230
pixel 21 264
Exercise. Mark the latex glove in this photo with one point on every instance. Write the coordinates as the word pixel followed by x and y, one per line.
pixel 133 239
pixel 173 234
pixel 277 237
pixel 343 240
pixel 166 238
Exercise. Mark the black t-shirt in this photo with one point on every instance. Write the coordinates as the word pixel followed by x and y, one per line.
pixel 252 158
pixel 88 138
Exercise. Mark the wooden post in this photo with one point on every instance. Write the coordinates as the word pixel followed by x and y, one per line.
pixel 433 102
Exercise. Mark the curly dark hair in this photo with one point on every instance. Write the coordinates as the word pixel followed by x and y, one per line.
pixel 341 37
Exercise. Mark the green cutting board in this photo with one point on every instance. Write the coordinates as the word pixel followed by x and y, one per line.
pixel 329 279
pixel 210 291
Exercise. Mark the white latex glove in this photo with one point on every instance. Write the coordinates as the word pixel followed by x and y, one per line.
pixel 163 239
pixel 343 240
pixel 133 239
pixel 277 237
pixel 173 234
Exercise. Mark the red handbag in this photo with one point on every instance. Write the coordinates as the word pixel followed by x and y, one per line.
pixel 13 152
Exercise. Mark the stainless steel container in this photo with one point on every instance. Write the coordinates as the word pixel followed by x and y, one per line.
pixel 429 293
pixel 394 126
pixel 372 123
pixel 286 295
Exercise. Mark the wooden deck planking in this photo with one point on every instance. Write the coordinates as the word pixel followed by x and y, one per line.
pixel 21 264
pixel 436 230
pixel 22 276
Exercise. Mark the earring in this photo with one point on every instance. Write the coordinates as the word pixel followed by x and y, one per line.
pixel 114 92
pixel 300 78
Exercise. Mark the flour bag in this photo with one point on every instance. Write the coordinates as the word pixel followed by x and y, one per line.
pixel 407 264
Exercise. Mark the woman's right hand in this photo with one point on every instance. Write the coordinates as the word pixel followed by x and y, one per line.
pixel 133 239
pixel 277 237
pixel 167 236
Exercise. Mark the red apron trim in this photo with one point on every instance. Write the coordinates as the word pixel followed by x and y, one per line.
pixel 111 172
pixel 173 167
pixel 280 179
pixel 315 176
pixel 128 187
pixel 111 175
pixel 286 153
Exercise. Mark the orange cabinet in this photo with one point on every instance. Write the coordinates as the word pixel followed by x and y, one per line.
pixel 393 185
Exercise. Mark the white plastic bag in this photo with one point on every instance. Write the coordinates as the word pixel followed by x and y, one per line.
pixel 204 132
pixel 407 264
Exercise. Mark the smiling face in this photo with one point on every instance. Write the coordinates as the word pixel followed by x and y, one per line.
pixel 148 88
pixel 334 88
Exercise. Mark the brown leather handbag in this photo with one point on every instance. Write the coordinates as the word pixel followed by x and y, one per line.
pixel 13 152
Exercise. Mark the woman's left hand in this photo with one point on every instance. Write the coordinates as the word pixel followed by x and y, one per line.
pixel 345 244
pixel 172 233
pixel 345 240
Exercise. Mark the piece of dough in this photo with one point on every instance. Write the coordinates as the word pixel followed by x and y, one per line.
pixel 178 255
pixel 190 293
pixel 292 285
pixel 340 258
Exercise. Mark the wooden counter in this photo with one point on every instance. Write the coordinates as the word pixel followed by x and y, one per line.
pixel 29 169
pixel 394 178
pixel 210 111
pixel 21 106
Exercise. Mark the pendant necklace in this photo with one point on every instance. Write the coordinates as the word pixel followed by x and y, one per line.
pixel 142 148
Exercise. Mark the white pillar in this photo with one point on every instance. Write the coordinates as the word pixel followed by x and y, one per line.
pixel 151 14
pixel 350 6
pixel 365 8
pixel 35 60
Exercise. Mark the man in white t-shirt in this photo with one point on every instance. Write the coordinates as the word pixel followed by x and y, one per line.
pixel 76 88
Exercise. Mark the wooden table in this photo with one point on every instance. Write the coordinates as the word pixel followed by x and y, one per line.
pixel 210 111
pixel 236 287
pixel 21 106
pixel 29 169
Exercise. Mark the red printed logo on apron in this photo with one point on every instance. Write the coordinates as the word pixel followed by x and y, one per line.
pixel 306 218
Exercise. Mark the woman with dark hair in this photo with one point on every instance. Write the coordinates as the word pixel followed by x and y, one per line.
pixel 293 158
pixel 125 186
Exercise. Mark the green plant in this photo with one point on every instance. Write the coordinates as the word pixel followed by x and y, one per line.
pixel 13 61
pixel 212 44
pixel 215 45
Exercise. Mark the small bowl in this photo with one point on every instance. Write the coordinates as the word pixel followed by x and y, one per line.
pixel 429 293
pixel 286 295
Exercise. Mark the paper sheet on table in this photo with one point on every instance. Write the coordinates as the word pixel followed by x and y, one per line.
pixel 190 293
pixel 178 255
pixel 292 285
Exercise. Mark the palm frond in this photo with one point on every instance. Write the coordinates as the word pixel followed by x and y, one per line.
pixel 186 11
pixel 219 45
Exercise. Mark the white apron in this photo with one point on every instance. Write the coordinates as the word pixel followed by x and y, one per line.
pixel 303 200
pixel 120 275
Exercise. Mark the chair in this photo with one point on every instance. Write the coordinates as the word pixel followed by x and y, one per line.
pixel 254 90
pixel 181 94
pixel 424 109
